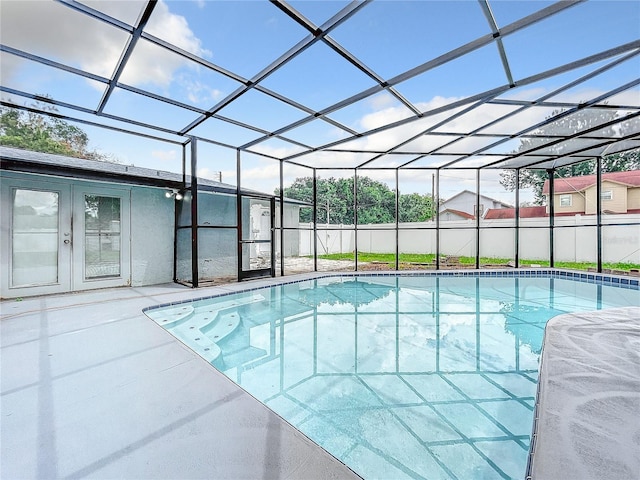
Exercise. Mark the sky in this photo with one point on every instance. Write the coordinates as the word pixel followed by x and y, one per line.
pixel 244 37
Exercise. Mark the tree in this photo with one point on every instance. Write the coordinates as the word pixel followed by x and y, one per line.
pixel 414 207
pixel 42 133
pixel 569 125
pixel 376 201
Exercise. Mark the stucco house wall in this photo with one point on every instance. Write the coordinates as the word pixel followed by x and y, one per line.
pixel 465 201
pixel 151 255
pixel 633 199
pixel 151 225
pixel 617 204
pixel 577 203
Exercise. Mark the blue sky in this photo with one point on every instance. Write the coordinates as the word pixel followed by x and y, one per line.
pixel 244 37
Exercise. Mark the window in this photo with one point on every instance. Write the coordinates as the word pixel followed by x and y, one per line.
pixel 565 200
pixel 606 195
pixel 102 254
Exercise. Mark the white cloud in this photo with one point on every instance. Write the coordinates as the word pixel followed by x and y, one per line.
pixel 198 92
pixel 278 152
pixel 57 32
pixel 165 155
pixel 174 29
pixel 263 174
pixel 214 174
pixel 60 33
pixel 381 100
pixel 151 64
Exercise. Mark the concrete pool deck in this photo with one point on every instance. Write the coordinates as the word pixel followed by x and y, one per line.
pixel 91 387
pixel 588 403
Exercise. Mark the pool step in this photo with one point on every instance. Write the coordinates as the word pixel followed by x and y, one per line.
pixel 204 347
pixel 202 327
pixel 170 317
pixel 202 334
pixel 224 324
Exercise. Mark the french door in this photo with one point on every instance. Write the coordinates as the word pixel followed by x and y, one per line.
pixel 63 237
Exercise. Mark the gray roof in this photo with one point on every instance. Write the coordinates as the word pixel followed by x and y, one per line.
pixel 30 161
pixel 28 158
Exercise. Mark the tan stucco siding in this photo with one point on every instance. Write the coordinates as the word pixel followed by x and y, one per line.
pixel 577 203
pixel 633 198
pixel 617 204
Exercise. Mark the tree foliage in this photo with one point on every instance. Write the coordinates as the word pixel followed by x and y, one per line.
pixel 44 133
pixel 569 125
pixel 376 201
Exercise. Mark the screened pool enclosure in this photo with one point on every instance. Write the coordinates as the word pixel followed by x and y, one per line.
pixel 404 135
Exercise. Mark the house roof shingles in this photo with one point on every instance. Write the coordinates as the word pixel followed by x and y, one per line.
pixel 525 212
pixel 579 184
pixel 460 213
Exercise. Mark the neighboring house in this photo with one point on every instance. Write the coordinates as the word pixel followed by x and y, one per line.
pixel 71 224
pixel 451 214
pixel 525 212
pixel 465 202
pixel 620 193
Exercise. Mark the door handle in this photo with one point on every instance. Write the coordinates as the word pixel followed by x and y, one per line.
pixel 67 241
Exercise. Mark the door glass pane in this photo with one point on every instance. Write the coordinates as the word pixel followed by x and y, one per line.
pixel 34 238
pixel 256 234
pixel 260 233
pixel 101 237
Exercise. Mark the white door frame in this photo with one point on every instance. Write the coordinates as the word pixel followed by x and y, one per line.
pixel 71 237
pixel 79 278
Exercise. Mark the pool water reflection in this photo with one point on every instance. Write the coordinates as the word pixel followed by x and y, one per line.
pixel 397 376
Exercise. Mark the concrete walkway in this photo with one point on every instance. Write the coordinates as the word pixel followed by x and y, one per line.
pixel 90 387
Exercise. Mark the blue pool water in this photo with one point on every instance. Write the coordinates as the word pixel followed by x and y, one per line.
pixel 397 376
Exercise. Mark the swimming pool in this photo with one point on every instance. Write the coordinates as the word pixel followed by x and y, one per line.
pixel 399 376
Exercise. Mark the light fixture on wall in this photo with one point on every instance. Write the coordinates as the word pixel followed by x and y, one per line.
pixel 173 193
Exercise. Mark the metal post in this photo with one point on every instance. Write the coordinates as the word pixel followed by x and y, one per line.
pixel 551 214
pixel 184 165
pixel 599 211
pixel 478 213
pixel 517 218
pixel 239 214
pixel 355 216
pixel 437 210
pixel 176 214
pixel 315 221
pixel 194 212
pixel 272 219
pixel 281 220
pixel 397 222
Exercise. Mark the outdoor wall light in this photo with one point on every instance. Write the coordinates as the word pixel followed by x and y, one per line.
pixel 173 193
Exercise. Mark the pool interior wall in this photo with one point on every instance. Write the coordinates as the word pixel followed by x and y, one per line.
pixel 462 412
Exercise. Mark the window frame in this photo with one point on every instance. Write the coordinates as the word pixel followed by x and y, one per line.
pixel 563 198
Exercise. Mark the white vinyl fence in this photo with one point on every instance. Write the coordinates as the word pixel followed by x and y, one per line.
pixel 621 243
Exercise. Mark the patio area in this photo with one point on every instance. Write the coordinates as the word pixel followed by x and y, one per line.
pixel 149 146
pixel 92 388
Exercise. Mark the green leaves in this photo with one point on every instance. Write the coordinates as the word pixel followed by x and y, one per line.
pixel 566 126
pixel 41 133
pixel 376 201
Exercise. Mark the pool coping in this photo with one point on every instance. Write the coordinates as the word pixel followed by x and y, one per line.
pixel 597 278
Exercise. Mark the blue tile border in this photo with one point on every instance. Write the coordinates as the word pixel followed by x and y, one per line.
pixel 597 278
